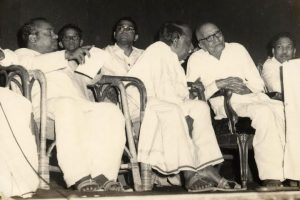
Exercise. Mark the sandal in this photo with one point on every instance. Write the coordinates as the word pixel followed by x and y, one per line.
pixel 112 186
pixel 204 182
pixel 271 185
pixel 88 185
pixel 108 185
pixel 227 185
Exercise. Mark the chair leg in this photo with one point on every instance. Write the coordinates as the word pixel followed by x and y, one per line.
pixel 146 176
pixel 44 172
pixel 243 143
pixel 136 176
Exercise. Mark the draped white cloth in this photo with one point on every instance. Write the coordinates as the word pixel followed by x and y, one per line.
pixel 18 178
pixel 164 140
pixel 267 115
pixel 90 137
pixel 291 88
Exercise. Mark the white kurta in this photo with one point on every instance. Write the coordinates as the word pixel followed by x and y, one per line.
pixel 121 62
pixel 164 140
pixel 267 115
pixel 17 176
pixel 291 86
pixel 87 142
pixel 271 75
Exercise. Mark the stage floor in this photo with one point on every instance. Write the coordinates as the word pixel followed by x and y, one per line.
pixel 168 194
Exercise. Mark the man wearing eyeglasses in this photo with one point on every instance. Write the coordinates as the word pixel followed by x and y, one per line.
pixel 229 66
pixel 70 37
pixel 81 146
pixel 123 53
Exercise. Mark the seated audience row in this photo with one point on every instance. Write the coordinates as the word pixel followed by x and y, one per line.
pixel 84 131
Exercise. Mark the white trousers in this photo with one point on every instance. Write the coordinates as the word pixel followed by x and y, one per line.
pixel 267 117
pixel 90 137
pixel 164 140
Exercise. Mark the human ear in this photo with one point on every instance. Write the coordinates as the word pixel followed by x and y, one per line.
pixel 294 53
pixel 60 44
pixel 200 44
pixel 32 38
pixel 81 43
pixel 136 37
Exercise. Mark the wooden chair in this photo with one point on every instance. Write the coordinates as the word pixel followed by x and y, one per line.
pixel 17 77
pixel 101 91
pixel 20 80
pixel 239 133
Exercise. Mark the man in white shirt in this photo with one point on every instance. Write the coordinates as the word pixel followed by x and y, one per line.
pixel 164 141
pixel 283 49
pixel 89 149
pixel 123 53
pixel 229 66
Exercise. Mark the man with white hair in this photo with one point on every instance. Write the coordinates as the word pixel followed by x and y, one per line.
pixel 229 66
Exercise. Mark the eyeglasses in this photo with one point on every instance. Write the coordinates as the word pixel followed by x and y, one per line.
pixel 210 38
pixel 69 38
pixel 125 28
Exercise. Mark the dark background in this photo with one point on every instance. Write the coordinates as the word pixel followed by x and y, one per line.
pixel 250 22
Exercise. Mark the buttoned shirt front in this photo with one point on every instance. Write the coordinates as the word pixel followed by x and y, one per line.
pixel 121 62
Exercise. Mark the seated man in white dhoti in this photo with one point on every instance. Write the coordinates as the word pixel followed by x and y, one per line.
pixel 89 149
pixel 164 141
pixel 123 53
pixel 18 178
pixel 229 66
pixel 283 49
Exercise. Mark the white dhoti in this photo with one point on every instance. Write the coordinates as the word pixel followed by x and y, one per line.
pixel 90 137
pixel 267 117
pixel 17 176
pixel 291 73
pixel 165 143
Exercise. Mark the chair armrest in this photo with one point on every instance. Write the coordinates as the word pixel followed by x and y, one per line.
pixel 12 73
pixel 121 83
pixel 24 80
pixel 126 81
pixel 231 114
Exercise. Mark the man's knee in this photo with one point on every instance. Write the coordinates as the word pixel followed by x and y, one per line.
pixel 62 104
pixel 199 107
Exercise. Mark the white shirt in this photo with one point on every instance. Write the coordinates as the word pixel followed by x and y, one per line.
pixel 160 70
pixel 121 62
pixel 271 74
pixel 235 61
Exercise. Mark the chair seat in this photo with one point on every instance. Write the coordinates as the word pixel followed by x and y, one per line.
pixel 228 140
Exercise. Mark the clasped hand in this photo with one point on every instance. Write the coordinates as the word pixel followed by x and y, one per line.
pixel 235 84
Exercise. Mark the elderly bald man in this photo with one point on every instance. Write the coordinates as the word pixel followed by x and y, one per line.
pixel 229 65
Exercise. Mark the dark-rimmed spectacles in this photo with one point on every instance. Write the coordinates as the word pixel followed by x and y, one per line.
pixel 210 38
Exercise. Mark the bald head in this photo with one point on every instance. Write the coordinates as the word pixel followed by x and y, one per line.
pixel 210 39
pixel 204 28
